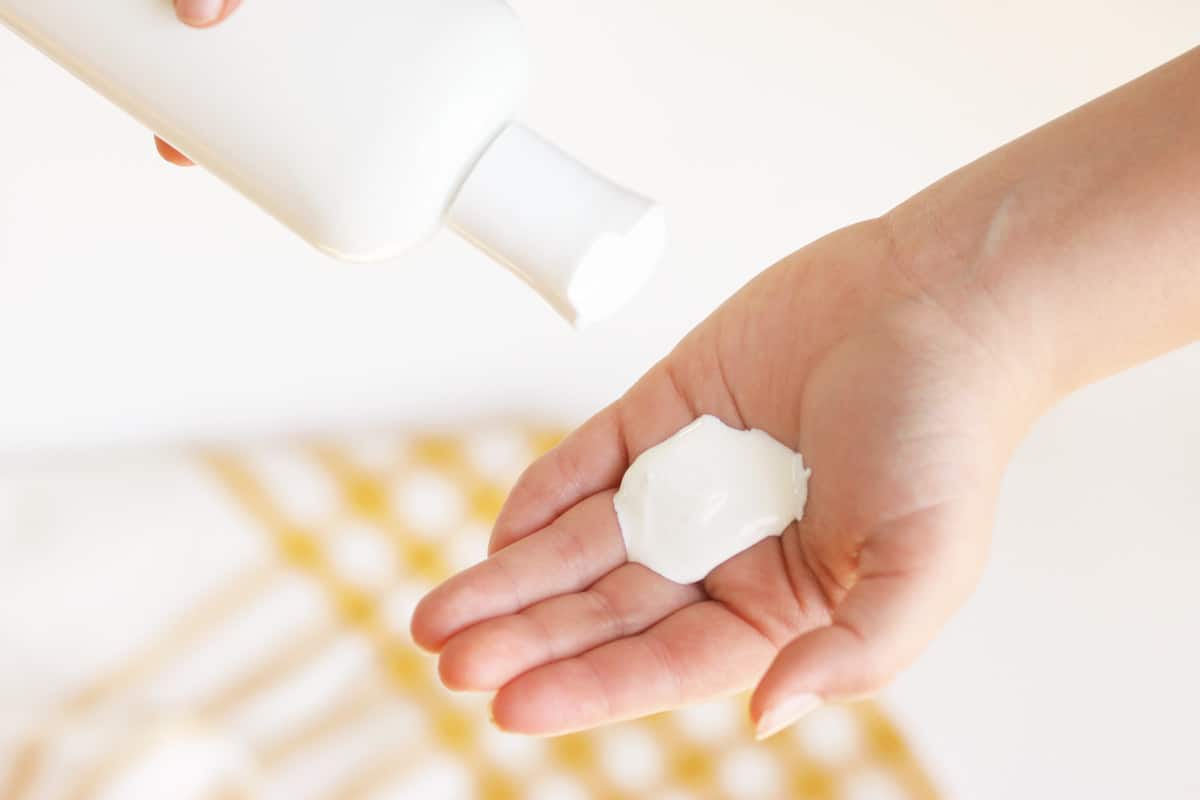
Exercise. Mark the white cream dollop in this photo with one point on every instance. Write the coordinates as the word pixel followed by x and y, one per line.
pixel 706 494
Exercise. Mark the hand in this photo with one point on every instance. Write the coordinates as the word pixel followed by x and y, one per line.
pixel 906 399
pixel 198 14
pixel 905 358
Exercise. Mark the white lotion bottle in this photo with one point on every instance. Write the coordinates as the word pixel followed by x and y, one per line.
pixel 363 125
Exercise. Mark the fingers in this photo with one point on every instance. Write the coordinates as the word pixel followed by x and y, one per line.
pixel 170 154
pixel 700 652
pixel 594 457
pixel 198 14
pixel 623 603
pixel 567 556
pixel 203 13
pixel 589 460
pixel 879 628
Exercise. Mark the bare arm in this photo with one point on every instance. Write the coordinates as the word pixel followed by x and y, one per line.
pixel 905 357
pixel 1084 235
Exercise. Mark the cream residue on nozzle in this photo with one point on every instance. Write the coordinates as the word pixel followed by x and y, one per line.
pixel 706 494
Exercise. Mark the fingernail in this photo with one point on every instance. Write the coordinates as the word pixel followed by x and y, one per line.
pixel 784 714
pixel 199 12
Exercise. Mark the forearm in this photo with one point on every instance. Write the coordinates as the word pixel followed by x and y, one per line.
pixel 1082 236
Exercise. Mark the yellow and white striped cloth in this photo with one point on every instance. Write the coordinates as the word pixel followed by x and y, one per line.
pixel 234 625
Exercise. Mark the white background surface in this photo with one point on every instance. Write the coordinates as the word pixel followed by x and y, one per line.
pixel 140 304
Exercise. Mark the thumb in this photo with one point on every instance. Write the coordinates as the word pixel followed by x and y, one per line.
pixel 877 630
pixel 202 13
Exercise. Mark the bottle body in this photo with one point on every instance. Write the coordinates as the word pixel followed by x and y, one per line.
pixel 354 123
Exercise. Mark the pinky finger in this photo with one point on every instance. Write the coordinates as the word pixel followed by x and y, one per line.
pixel 594 457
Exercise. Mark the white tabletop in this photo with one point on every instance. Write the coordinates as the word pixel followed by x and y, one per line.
pixel 140 304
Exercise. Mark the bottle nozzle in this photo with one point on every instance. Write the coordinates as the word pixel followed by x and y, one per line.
pixel 584 243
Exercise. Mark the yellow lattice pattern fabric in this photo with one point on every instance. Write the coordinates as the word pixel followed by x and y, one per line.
pixel 295 678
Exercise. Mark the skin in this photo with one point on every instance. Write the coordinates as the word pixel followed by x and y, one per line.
pixel 906 419
pixel 188 13
pixel 906 357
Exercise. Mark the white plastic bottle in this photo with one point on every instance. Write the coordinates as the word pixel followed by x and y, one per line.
pixel 364 124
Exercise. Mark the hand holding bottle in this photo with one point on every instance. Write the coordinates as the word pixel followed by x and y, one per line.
pixel 198 14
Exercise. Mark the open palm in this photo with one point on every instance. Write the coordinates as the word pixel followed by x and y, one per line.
pixel 904 404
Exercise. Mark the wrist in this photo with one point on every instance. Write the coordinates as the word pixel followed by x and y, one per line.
pixel 961 264
pixel 1076 243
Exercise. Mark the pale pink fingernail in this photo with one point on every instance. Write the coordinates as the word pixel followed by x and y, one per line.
pixel 199 12
pixel 784 714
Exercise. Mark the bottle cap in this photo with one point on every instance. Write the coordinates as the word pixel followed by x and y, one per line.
pixel 583 242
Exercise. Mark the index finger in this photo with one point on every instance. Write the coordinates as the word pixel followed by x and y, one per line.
pixel 568 556
pixel 595 457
